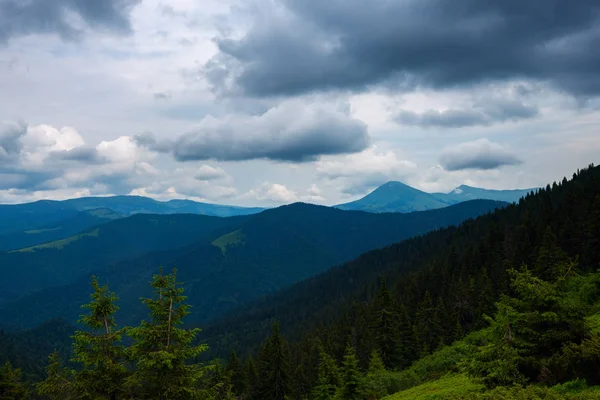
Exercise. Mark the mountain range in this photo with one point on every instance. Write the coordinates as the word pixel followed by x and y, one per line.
pixel 399 197
pixel 224 262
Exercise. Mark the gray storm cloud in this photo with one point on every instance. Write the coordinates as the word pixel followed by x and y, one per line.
pixel 484 113
pixel 24 17
pixel 315 45
pixel 291 133
pixel 480 154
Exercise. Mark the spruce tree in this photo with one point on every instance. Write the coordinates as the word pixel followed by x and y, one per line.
pixel 251 380
pixel 408 341
pixel 59 383
pixel 235 369
pixel 375 387
pixel 328 378
pixel 386 329
pixel 427 325
pixel 97 349
pixel 352 379
pixel 273 368
pixel 11 385
pixel 161 349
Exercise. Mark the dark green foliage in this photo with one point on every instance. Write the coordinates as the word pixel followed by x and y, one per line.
pixel 273 368
pixel 427 326
pixel 98 350
pixel 385 328
pixel 162 349
pixel 352 379
pixel 328 378
pixel 536 332
pixel 270 250
pixel 236 373
pixel 60 382
pixel 11 384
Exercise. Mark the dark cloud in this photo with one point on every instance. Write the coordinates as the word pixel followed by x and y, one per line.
pixel 486 113
pixel 149 141
pixel 83 154
pixel 24 17
pixel 480 154
pixel 313 45
pixel 294 133
pixel 10 135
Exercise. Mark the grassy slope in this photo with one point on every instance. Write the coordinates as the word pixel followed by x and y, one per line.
pixel 440 376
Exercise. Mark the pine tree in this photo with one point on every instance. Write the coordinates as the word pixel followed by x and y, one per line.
pixel 235 369
pixel 103 371
pixel 551 258
pixel 162 349
pixel 11 385
pixel 408 341
pixel 375 363
pixel 273 368
pixel 301 386
pixel 529 331
pixel 251 380
pixel 59 383
pixel 385 328
pixel 375 387
pixel 352 380
pixel 328 378
pixel 427 325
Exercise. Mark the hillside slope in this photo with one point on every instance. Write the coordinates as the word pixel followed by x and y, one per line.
pixel 27 270
pixel 77 223
pixel 451 264
pixel 260 255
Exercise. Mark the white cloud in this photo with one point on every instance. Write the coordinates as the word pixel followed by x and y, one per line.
pixel 358 173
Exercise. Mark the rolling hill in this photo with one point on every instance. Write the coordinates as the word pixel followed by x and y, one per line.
pixel 77 223
pixel 457 264
pixel 399 197
pixel 129 205
pixel 49 214
pixel 252 256
pixel 29 269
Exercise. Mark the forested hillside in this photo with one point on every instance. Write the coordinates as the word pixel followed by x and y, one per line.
pixel 417 296
pixel 227 261
pixel 504 306
pixel 28 270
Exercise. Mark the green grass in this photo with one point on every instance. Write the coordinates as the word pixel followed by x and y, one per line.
pixel 59 244
pixel 36 231
pixel 449 386
pixel 231 239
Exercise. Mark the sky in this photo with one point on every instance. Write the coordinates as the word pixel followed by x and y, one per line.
pixel 267 102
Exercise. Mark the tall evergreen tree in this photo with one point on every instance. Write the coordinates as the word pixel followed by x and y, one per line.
pixel 273 368
pixel 251 380
pixel 551 258
pixel 11 385
pixel 427 325
pixel 408 342
pixel 352 380
pixel 385 328
pixel 103 372
pixel 235 369
pixel 162 349
pixel 328 378
pixel 59 383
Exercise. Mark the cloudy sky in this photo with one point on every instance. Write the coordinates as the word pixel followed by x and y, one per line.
pixel 264 102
